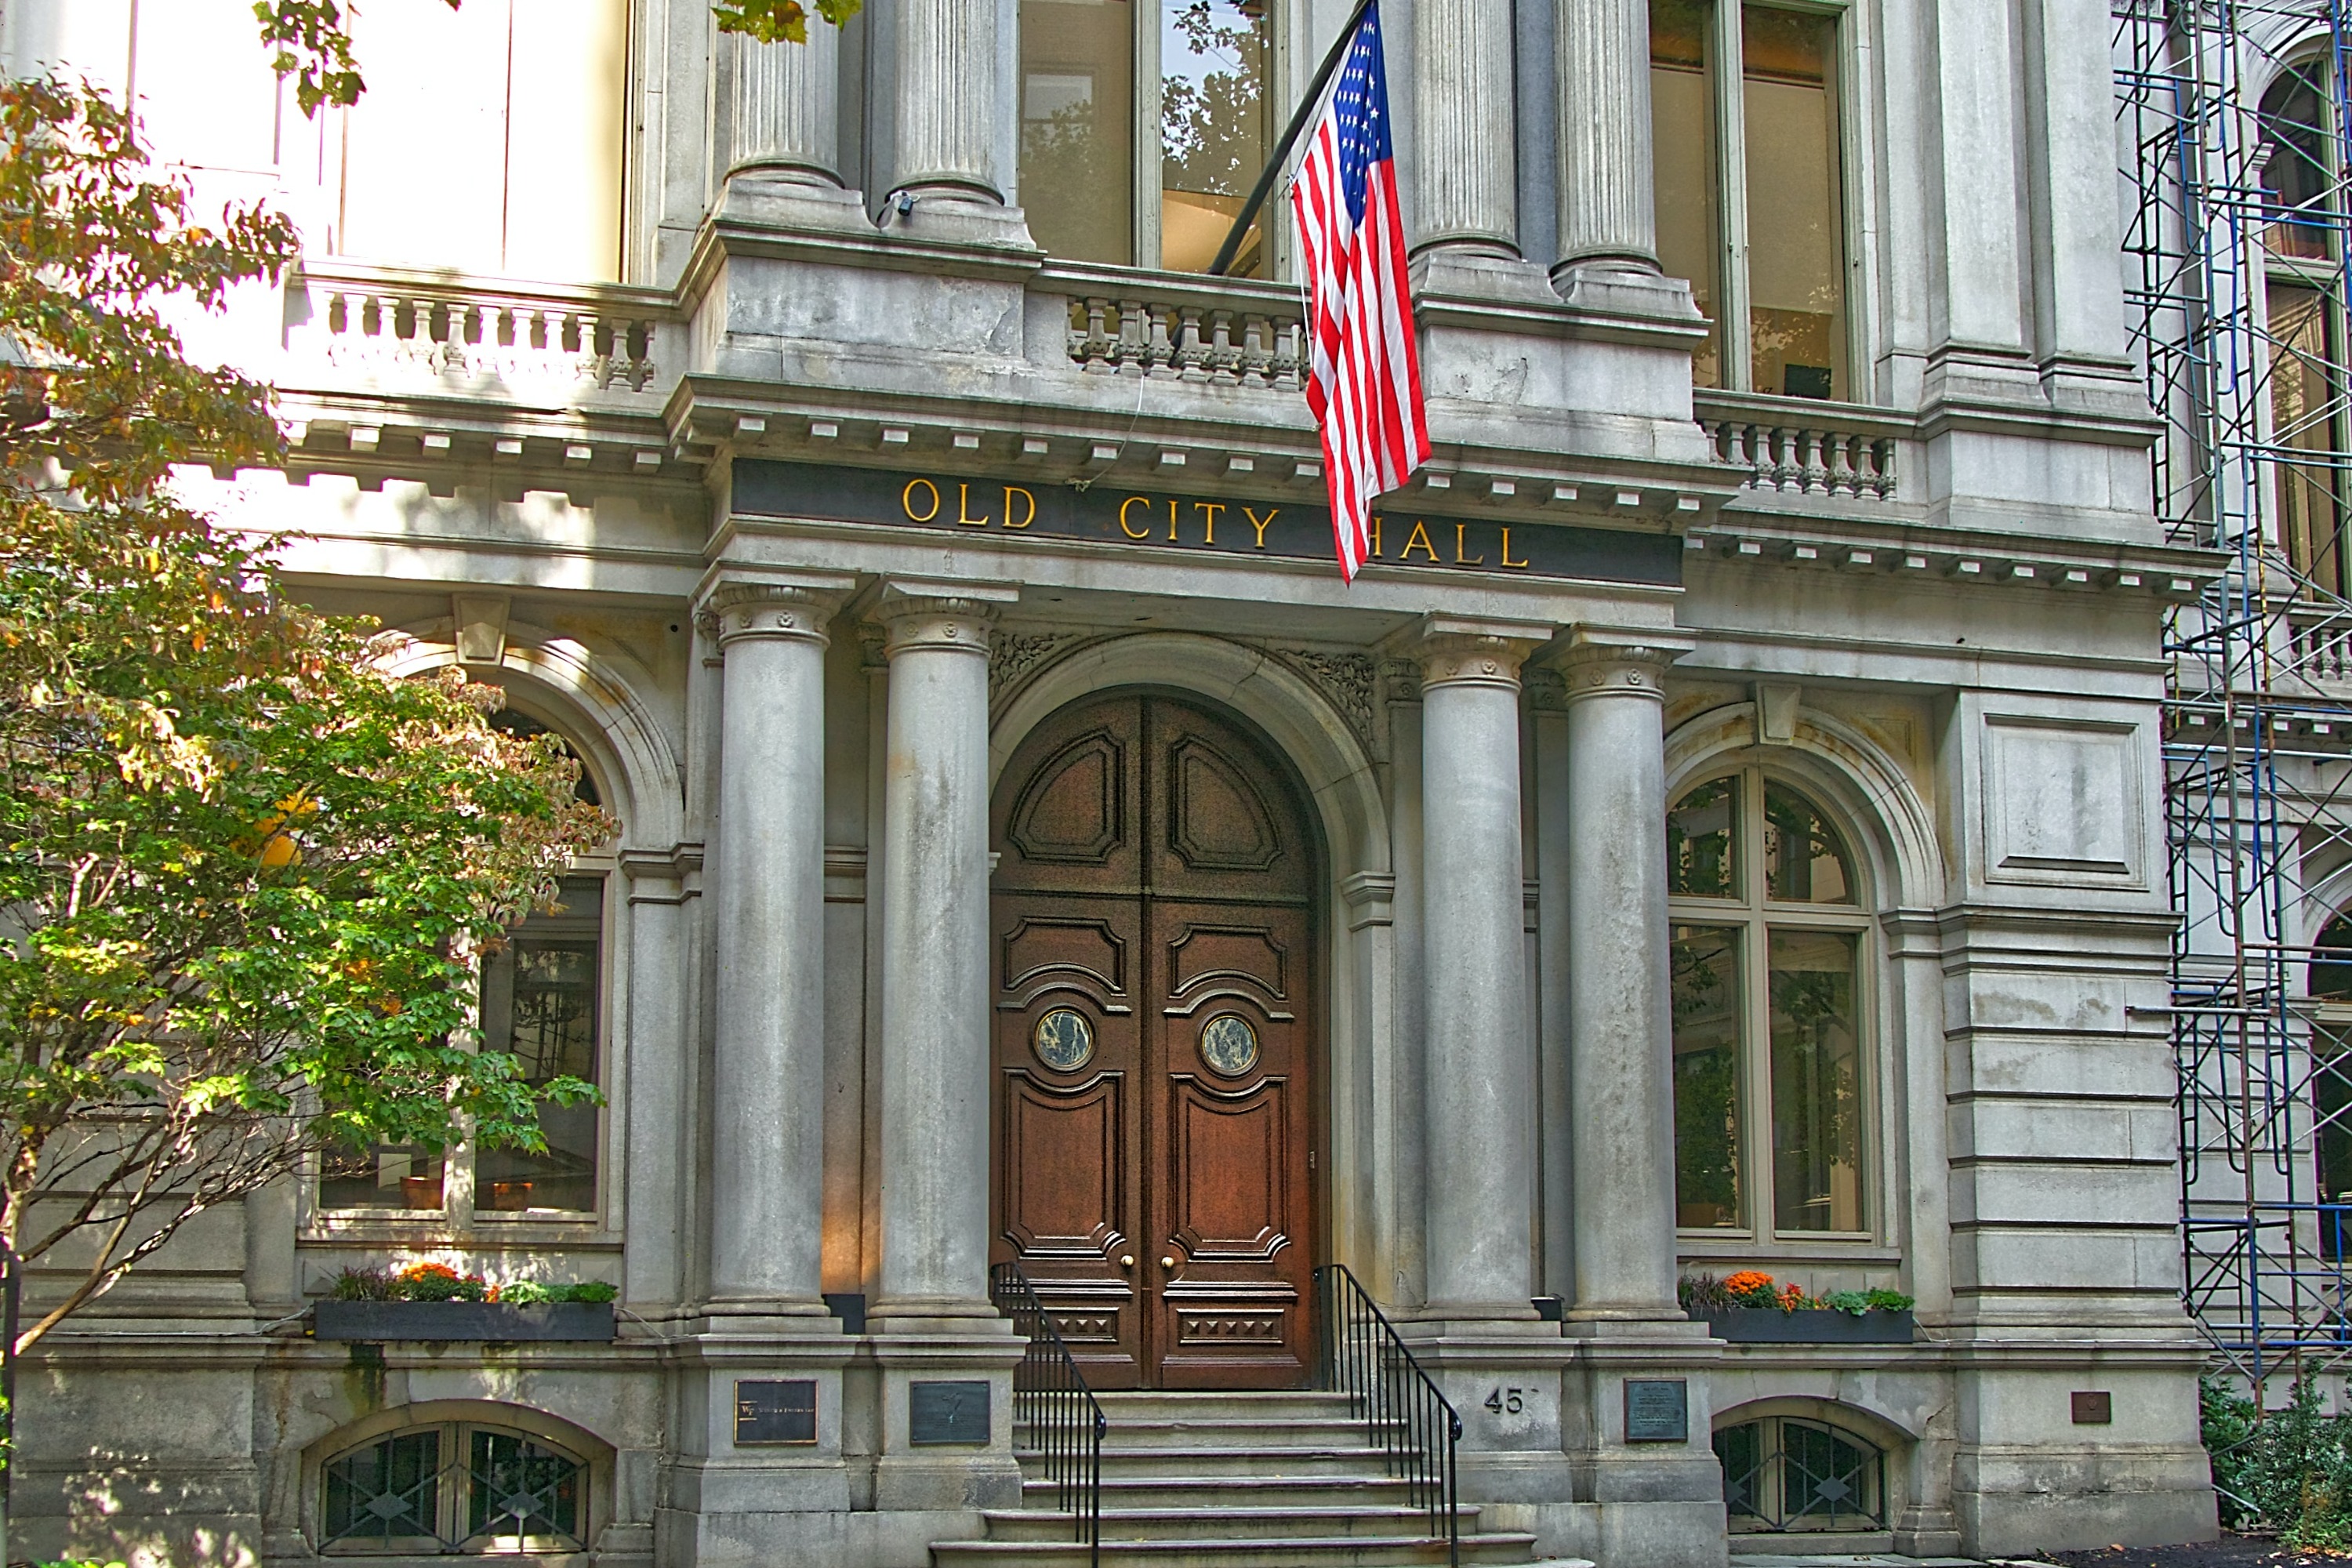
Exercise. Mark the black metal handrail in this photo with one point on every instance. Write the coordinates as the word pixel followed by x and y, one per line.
pixel 1056 1417
pixel 1359 1353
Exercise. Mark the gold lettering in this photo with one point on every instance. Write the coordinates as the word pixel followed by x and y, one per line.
pixel 1171 522
pixel 1376 534
pixel 1420 536
pixel 1261 523
pixel 907 500
pixel 963 510
pixel 1027 517
pixel 1460 559
pixel 1506 550
pixel 1207 510
pixel 1129 501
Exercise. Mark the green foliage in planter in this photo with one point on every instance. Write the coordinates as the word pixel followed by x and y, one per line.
pixel 2288 1470
pixel 1701 1294
pixel 1859 1302
pixel 438 1283
pixel 529 1292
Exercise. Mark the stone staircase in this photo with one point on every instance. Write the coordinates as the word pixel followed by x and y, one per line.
pixel 1233 1480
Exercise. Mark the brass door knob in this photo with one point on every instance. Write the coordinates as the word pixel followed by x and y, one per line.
pixel 1126 1260
pixel 1167 1263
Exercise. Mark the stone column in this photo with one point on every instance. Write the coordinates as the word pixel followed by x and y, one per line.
pixel 1465 182
pixel 767 1099
pixel 948 106
pixel 935 990
pixel 1607 208
pixel 1478 1074
pixel 786 111
pixel 1620 1019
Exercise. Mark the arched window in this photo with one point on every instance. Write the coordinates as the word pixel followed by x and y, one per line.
pixel 1767 938
pixel 453 1487
pixel 2329 982
pixel 1792 1472
pixel 1144 125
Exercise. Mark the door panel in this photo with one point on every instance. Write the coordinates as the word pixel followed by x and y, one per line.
pixel 1154 906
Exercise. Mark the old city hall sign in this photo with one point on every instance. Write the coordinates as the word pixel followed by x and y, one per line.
pixel 1115 511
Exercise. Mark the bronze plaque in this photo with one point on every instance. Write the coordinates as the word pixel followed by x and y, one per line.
pixel 946 1411
pixel 1657 1410
pixel 768 1413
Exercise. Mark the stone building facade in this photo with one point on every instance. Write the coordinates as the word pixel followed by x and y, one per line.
pixel 1719 830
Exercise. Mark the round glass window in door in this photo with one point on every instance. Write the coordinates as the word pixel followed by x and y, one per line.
pixel 1229 1045
pixel 1063 1040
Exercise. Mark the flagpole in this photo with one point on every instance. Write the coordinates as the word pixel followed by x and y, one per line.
pixel 1298 119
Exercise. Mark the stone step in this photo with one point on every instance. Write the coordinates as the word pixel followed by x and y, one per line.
pixel 1255 1523
pixel 1230 1551
pixel 1246 1492
pixel 1253 1404
pixel 1226 1459
pixel 1192 1431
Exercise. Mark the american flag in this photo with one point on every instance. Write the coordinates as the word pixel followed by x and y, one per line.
pixel 1363 376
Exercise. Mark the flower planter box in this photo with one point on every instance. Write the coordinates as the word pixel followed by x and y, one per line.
pixel 1768 1325
pixel 462 1321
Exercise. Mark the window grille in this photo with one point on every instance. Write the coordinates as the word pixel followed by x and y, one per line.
pixel 453 1488
pixel 1785 1472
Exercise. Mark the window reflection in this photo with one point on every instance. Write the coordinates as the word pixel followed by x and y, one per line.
pixel 1701 862
pixel 1816 1076
pixel 2294 163
pixel 1704 967
pixel 1682 121
pixel 1213 135
pixel 2307 413
pixel 387 1176
pixel 540 1002
pixel 1796 222
pixel 1077 127
pixel 1804 859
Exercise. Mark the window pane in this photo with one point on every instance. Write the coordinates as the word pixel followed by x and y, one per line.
pixel 540 1000
pixel 1682 130
pixel 1796 223
pixel 388 1176
pixel 1816 1082
pixel 2305 414
pixel 2331 1107
pixel 2296 134
pixel 519 1490
pixel 1701 848
pixel 387 1491
pixel 1805 861
pixel 1214 134
pixel 1706 969
pixel 1077 127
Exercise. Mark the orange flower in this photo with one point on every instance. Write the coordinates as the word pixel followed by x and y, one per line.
pixel 1747 1280
pixel 416 1271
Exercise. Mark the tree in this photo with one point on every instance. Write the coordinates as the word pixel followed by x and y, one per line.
pixel 311 40
pixel 243 868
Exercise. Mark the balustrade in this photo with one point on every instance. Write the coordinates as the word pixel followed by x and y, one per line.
pixel 1227 336
pixel 1832 453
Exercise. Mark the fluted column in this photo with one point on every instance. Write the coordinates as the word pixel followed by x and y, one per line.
pixel 1607 208
pixel 786 107
pixel 935 992
pixel 1465 182
pixel 767 1099
pixel 947 104
pixel 1479 1070
pixel 1620 1014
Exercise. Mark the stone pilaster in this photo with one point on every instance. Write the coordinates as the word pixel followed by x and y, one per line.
pixel 1479 1071
pixel 1608 217
pixel 1466 175
pixel 935 991
pixel 656 1077
pixel 785 110
pixel 767 1065
pixel 948 106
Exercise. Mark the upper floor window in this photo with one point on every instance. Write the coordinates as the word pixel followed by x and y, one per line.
pixel 2300 161
pixel 1751 188
pixel 1144 125
pixel 1767 945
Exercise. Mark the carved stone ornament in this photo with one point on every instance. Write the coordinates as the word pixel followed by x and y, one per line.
pixel 1471 658
pixel 1546 690
pixel 945 622
pixel 769 610
pixel 1015 658
pixel 1349 681
pixel 1633 668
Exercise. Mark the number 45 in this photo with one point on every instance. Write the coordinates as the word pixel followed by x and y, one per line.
pixel 1507 1400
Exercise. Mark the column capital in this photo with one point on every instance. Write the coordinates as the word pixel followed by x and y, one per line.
pixel 950 617
pixel 730 608
pixel 1453 650
pixel 1607 659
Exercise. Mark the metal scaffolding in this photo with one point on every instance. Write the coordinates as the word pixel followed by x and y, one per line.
pixel 2232 133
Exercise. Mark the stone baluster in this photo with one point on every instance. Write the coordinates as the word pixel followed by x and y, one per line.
pixel 1620 1026
pixel 768 1062
pixel 1479 1066
pixel 1608 215
pixel 934 988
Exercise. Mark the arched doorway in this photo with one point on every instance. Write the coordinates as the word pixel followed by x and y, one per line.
pixel 1153 1110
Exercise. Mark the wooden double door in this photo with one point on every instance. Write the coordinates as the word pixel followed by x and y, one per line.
pixel 1154 1117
